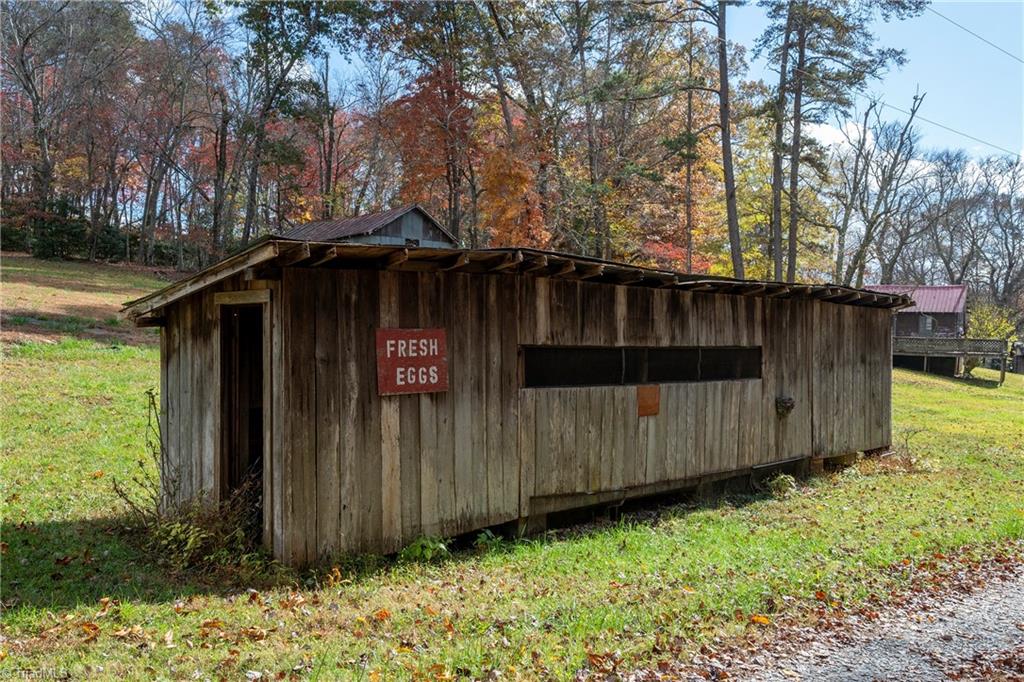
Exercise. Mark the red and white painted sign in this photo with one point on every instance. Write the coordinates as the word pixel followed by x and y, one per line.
pixel 411 361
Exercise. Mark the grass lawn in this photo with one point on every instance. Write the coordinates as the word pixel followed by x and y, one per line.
pixel 42 300
pixel 79 597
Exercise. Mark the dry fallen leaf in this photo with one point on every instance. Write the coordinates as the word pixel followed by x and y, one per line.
pixel 134 633
pixel 254 634
pixel 92 631
pixel 169 639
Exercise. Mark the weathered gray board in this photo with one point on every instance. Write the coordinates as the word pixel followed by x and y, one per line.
pixel 352 471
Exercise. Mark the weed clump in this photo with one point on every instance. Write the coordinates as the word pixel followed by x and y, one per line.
pixel 198 535
pixel 425 549
pixel 782 486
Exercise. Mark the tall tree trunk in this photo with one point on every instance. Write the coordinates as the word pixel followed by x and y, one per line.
pixel 794 156
pixel 252 185
pixel 154 183
pixel 600 241
pixel 327 140
pixel 491 52
pixel 780 120
pixel 43 166
pixel 178 231
pixel 690 153
pixel 217 229
pixel 735 247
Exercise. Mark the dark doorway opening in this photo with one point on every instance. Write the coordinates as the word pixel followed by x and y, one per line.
pixel 242 410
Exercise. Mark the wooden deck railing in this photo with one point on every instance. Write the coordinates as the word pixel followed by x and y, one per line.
pixel 931 345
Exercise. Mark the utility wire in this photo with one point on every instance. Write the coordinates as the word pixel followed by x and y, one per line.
pixel 981 38
pixel 953 130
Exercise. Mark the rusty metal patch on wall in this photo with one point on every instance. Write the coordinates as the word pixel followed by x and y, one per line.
pixel 648 400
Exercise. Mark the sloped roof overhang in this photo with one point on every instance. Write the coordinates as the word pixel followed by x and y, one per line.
pixel 277 252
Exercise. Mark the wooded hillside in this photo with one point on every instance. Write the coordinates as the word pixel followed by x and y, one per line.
pixel 173 132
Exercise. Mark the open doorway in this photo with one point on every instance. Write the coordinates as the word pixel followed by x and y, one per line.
pixel 242 415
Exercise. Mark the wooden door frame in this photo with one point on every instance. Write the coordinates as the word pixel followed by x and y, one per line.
pixel 263 298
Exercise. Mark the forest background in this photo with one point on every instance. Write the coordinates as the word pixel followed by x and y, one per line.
pixel 173 132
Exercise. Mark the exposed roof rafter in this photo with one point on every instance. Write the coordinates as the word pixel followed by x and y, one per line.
pixel 272 254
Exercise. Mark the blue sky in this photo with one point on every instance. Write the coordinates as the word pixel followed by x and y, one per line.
pixel 970 86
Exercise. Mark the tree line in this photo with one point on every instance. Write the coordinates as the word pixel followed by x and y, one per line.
pixel 175 131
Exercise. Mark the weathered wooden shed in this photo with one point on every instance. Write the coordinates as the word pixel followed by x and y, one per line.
pixel 387 392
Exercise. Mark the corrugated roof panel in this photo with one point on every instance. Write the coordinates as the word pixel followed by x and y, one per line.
pixel 343 228
pixel 329 230
pixel 951 298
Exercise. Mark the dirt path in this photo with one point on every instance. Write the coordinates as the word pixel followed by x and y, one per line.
pixel 979 635
pixel 971 627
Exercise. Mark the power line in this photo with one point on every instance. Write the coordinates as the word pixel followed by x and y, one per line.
pixel 981 38
pixel 952 130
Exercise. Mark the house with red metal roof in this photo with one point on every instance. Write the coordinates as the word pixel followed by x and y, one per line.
pixel 931 335
pixel 937 310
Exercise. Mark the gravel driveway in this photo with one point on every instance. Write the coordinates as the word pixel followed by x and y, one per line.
pixel 972 629
pixel 979 635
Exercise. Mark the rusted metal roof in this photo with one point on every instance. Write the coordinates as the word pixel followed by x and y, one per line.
pixel 342 228
pixel 276 252
pixel 950 298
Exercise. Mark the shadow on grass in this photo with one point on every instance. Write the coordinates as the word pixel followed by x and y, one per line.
pixel 955 381
pixel 78 323
pixel 24 269
pixel 978 382
pixel 62 565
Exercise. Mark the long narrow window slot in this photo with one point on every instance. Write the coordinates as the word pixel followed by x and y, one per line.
pixel 551 366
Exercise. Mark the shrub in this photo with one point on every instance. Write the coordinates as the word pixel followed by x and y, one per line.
pixel 59 231
pixel 109 244
pixel 15 228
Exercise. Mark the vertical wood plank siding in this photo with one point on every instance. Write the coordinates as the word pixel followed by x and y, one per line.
pixel 354 471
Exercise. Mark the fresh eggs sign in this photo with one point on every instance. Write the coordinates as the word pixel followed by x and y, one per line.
pixel 411 361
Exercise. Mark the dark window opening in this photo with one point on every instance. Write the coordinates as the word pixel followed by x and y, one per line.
pixel 242 407
pixel 573 366
pixel 674 364
pixel 549 366
pixel 721 364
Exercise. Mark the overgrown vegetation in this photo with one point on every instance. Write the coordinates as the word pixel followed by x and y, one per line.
pixel 782 486
pixel 197 534
pixel 79 595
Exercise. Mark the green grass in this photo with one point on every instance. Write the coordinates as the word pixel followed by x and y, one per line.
pixel 649 587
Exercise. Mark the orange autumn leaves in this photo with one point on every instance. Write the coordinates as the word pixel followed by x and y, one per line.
pixel 456 159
